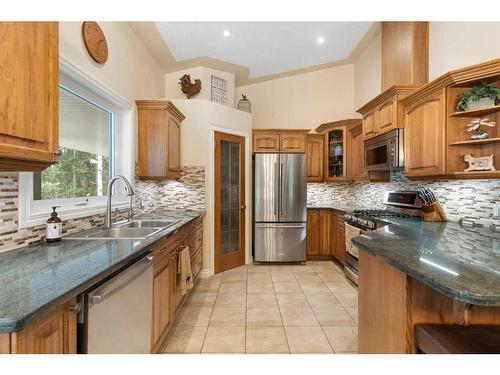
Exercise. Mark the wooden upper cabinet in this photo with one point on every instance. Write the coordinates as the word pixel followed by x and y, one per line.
pixel 266 142
pixel 279 140
pixel 405 53
pixel 387 119
pixel 356 151
pixel 369 125
pixel 290 142
pixel 384 112
pixel 424 139
pixel 52 334
pixel 314 154
pixel 29 62
pixel 335 154
pixel 159 139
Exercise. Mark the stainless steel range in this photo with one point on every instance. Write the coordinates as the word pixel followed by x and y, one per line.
pixel 400 204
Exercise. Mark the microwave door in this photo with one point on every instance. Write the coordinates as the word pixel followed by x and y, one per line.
pixel 377 156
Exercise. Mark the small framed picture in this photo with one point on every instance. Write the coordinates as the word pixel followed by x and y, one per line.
pixel 219 90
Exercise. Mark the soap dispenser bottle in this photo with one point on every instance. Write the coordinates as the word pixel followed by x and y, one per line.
pixel 54 227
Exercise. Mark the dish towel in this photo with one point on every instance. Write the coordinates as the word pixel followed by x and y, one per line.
pixel 350 233
pixel 184 275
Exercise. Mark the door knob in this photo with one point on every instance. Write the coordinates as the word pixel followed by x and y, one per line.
pixel 243 206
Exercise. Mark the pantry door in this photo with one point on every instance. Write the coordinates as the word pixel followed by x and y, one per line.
pixel 229 201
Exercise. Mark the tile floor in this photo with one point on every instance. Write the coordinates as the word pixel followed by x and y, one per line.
pixel 269 309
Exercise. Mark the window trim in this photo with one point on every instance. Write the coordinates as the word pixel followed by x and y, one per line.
pixel 31 212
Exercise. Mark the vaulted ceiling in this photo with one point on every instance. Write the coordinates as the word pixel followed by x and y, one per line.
pixel 265 48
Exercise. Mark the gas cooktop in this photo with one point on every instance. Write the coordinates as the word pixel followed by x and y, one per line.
pixel 380 213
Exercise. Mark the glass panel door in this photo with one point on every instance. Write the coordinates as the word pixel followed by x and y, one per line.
pixel 229 201
pixel 229 197
pixel 335 152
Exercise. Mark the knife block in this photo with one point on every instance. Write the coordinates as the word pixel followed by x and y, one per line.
pixel 433 212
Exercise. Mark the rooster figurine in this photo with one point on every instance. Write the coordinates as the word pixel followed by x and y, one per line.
pixel 189 88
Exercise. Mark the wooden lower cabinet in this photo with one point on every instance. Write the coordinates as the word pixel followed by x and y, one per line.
pixel 339 251
pixel 312 233
pixel 164 274
pixel 325 235
pixel 326 232
pixel 167 296
pixel 53 334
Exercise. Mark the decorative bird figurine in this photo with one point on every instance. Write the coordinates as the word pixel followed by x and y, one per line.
pixel 189 88
pixel 475 125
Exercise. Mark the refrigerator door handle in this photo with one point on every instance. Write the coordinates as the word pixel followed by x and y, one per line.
pixel 277 188
pixel 282 192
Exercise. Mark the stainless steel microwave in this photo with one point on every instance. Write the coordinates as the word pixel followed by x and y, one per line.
pixel 385 151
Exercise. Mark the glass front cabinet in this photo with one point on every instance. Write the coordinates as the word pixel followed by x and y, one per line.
pixel 335 147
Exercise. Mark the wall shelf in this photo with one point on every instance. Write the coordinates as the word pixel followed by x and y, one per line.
pixel 472 142
pixel 477 111
pixel 478 174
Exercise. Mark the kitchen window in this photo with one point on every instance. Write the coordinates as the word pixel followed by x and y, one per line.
pixel 86 141
pixel 94 128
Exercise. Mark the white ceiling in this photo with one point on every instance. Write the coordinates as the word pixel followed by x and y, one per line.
pixel 264 47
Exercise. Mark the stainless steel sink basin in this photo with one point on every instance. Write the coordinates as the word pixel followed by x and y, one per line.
pixel 135 230
pixel 119 233
pixel 149 224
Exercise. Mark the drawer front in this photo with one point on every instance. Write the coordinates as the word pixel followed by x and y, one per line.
pixel 176 238
pixel 194 225
pixel 194 241
pixel 197 263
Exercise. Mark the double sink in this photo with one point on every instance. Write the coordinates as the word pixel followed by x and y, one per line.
pixel 133 230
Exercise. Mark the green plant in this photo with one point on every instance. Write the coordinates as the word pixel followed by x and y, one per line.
pixel 481 90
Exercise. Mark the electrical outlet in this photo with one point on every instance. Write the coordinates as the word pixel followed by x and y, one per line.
pixel 496 211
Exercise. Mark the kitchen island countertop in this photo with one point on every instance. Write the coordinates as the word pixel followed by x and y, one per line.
pixel 460 262
pixel 38 278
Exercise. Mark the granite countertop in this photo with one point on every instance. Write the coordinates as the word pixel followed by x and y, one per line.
pixel 36 279
pixel 461 262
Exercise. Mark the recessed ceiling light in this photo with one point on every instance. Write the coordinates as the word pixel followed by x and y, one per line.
pixel 226 33
pixel 320 40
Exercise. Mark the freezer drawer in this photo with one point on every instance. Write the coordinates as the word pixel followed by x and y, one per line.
pixel 280 242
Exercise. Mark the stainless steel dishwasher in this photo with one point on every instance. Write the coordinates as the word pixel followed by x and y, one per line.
pixel 117 314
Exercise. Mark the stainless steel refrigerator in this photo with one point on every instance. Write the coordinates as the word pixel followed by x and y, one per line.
pixel 280 207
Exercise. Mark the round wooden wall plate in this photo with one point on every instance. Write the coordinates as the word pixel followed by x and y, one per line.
pixel 95 42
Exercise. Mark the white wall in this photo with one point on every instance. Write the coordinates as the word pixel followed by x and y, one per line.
pixel 173 89
pixel 302 101
pixel 131 72
pixel 454 45
pixel 203 117
pixel 368 73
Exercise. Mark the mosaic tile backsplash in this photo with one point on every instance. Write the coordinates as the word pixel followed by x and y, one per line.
pixel 469 199
pixel 187 193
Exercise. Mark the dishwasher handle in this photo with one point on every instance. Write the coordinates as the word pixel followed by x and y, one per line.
pixel 128 275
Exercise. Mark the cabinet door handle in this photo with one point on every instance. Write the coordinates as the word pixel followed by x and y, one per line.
pixel 76 308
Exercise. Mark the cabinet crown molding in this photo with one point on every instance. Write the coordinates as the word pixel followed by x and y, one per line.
pixel 336 124
pixel 161 104
pixel 395 90
pixel 464 76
